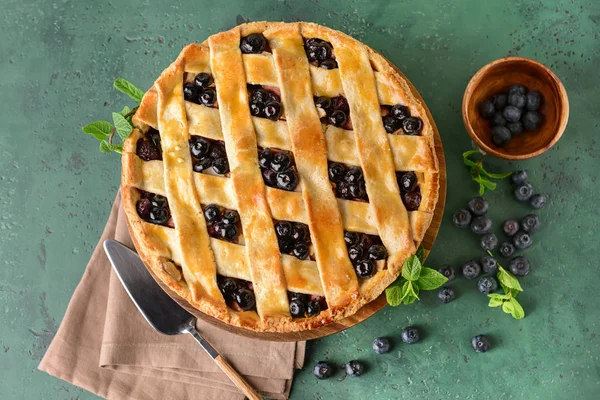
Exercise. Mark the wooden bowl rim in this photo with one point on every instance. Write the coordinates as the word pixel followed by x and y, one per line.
pixel 476 80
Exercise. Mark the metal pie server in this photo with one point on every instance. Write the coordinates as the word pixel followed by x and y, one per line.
pixel 160 310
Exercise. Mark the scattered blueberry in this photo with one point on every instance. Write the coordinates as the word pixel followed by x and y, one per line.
pixel 531 223
pixel 381 345
pixel 480 343
pixel 531 120
pixel 519 266
pixel 322 370
pixel 522 240
pixel 462 218
pixel 500 135
pixel 534 100
pixel 538 201
pixel 471 269
pixel 410 335
pixel 481 225
pixel 487 109
pixel 506 249
pixel 510 227
pixel 519 176
pixel 446 294
pixel 489 264
pixel 523 191
pixel 489 241
pixel 487 285
pixel 448 272
pixel 511 114
pixel 354 368
pixel 478 205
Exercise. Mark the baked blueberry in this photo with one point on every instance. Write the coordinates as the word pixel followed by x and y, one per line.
pixel 531 223
pixel 300 251
pixel 478 205
pixel 355 254
pixel 357 190
pixel 500 135
pixel 489 264
pixel 534 100
pixel 487 284
pixel 519 266
pixel 500 100
pixel 159 201
pixel 147 150
pixel 338 118
pixel 498 119
pixel 523 191
pixel 522 240
pixel 143 208
pixel 159 215
pixel 286 245
pixel 319 51
pixel 245 299
pixel 471 269
pixel 264 158
pixel 303 298
pixel 323 103
pixel 297 309
pixel 259 96
pixel 199 147
pixel 336 172
pixel 340 103
pixel 287 180
pixel 462 218
pixel 519 176
pixel 254 43
pixel 538 201
pixel 410 335
pixel 300 232
pixel 515 127
pixel 228 287
pixel 531 120
pixel 400 112
pixel 511 114
pixel 446 294
pixel 190 92
pixel 270 177
pixel 480 343
pixel 351 238
pixel 381 345
pixel 354 175
pixel 487 109
pixel 220 165
pixel 212 213
pixel 377 252
pixel 517 100
pixel 365 269
pixel 328 64
pixel 448 272
pixel 230 217
pixel 208 97
pixel 283 229
pixel 412 125
pixel 203 80
pixel 313 308
pixel 322 370
pixel 343 190
pixel 489 241
pixel 365 241
pixel 391 124
pixel 506 249
pixel 407 181
pixel 412 200
pixel 280 162
pixel 481 225
pixel 228 232
pixel 354 368
pixel 272 110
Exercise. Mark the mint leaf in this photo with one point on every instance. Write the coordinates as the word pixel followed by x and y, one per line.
pixel 508 280
pixel 105 147
pixel 496 176
pixel 122 126
pixel 128 88
pixel 411 269
pixel 126 110
pixel 411 293
pixel 508 307
pixel 118 148
pixel 467 153
pixel 430 279
pixel 405 291
pixel 393 295
pixel 420 253
pixel 517 310
pixel 495 303
pixel 99 129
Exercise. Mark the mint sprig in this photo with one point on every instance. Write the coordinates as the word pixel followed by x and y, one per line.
pixel 508 301
pixel 415 277
pixel 479 174
pixel 105 132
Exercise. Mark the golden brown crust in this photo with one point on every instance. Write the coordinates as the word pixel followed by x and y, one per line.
pixel 167 251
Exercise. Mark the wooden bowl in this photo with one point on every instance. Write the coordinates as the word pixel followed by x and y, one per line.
pixel 497 77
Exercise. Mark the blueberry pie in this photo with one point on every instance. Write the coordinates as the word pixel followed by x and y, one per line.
pixel 279 176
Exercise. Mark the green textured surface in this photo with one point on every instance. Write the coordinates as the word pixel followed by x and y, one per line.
pixel 58 61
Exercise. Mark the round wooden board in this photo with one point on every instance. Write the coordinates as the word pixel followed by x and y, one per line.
pixel 368 309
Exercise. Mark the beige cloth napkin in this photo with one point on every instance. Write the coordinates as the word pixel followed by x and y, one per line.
pixel 104 345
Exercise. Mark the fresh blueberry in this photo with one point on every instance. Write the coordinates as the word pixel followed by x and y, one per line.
pixel 511 114
pixel 336 172
pixel 448 272
pixel 280 162
pixel 297 309
pixel 314 308
pixel 203 80
pixel 228 287
pixel 498 119
pixel 253 44
pixel 515 127
pixel 410 335
pixel 287 180
pixel 365 269
pixel 531 223
pixel 377 252
pixel 487 285
pixel 190 92
pixel 199 147
pixel 412 125
pixel 338 118
pixel 522 240
pixel 481 225
pixel 489 241
pixel 283 229
pixel 500 135
pixel 462 218
pixel 523 191
pixel 407 181
pixel 300 232
pixel 381 345
pixel 478 205
pixel 487 109
pixel 208 97
pixel 354 368
pixel 534 100
pixel 500 100
pixel 391 124
pixel 272 110
pixel 489 264
pixel 212 213
pixel 245 299
pixel 519 89
pixel 517 100
pixel 471 269
pixel 538 201
pixel 400 112
pixel 220 165
pixel 351 238
pixel 300 251
pixel 230 217
pixel 531 120
pixel 322 370
pixel 480 344
pixel 519 176
pixel 519 266
pixel 506 249
pixel 328 64
pixel 446 294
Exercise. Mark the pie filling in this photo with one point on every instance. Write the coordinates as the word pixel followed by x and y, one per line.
pixel 397 119
pixel 154 208
pixel 255 43
pixel 201 91
pixel 208 153
pixel 278 168
pixel 306 305
pixel 320 53
pixel 364 251
pixel 409 190
pixel 222 223
pixel 238 293
pixel 348 182
pixel 294 239
pixel 148 147
pixel 265 102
